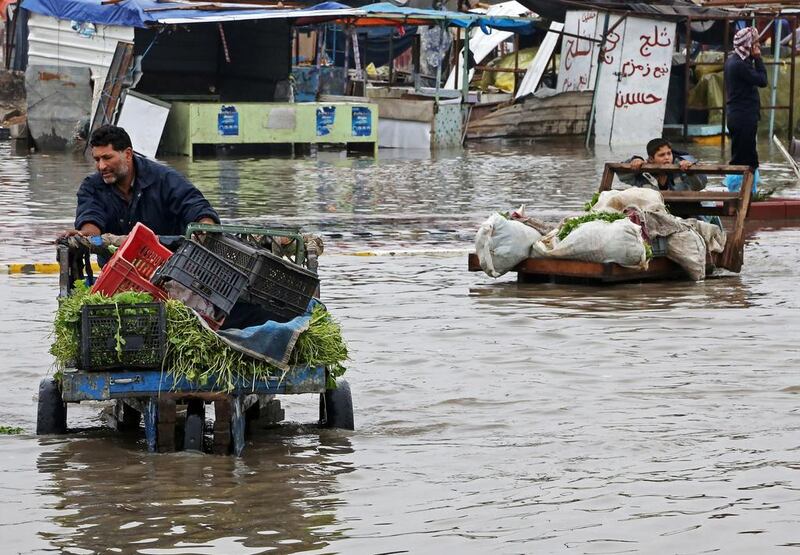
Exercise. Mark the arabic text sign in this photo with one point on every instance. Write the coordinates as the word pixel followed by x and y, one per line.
pixel 361 121
pixel 325 118
pixel 228 121
pixel 577 71
pixel 632 93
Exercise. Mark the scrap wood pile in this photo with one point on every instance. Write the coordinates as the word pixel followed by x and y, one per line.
pixel 627 227
pixel 125 321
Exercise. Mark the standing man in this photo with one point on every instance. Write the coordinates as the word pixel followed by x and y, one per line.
pixel 128 188
pixel 744 74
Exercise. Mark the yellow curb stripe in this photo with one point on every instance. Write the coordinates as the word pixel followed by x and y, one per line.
pixel 52 267
pixel 39 268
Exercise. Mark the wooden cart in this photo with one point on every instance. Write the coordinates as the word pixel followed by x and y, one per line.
pixel 733 206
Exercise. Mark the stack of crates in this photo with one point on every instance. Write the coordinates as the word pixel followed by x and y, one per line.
pixel 134 263
pixel 209 283
pixel 126 336
pixel 282 288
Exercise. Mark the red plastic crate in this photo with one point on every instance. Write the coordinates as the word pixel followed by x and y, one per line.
pixel 120 275
pixel 143 250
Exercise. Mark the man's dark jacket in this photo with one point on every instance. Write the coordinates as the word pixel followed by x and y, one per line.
pixel 163 200
pixel 742 81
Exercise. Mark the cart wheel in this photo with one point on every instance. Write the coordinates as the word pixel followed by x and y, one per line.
pixel 336 407
pixel 51 415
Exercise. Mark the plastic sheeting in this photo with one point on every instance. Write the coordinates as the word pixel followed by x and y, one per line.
pixel 708 93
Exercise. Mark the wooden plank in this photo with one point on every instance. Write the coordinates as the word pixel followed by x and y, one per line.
pixel 733 255
pixel 552 268
pixel 112 88
pixel 691 210
pixel 700 196
pixel 709 169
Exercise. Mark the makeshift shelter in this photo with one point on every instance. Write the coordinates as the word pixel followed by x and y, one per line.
pixel 218 65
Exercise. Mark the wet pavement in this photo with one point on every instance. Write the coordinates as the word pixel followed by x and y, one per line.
pixel 490 416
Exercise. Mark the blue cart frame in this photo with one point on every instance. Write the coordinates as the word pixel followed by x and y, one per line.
pixel 149 389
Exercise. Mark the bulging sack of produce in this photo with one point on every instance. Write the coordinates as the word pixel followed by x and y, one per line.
pixel 688 249
pixel 619 241
pixel 640 197
pixel 501 244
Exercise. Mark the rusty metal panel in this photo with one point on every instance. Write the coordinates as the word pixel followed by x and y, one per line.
pixel 58 99
pixel 84 386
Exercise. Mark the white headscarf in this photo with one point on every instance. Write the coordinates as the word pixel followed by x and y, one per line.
pixel 743 41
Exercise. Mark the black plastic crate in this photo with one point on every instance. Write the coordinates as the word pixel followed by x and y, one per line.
pixel 205 274
pixel 281 287
pixel 243 256
pixel 142 334
pixel 659 246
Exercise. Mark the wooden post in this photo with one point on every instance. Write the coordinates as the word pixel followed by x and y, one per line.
pixel 733 255
pixel 391 58
pixel 456 44
pixel 776 71
pixel 465 68
pixel 607 179
pixel 166 425
pixel 416 48
pixel 222 427
pixel 686 75
pixel 725 40
pixel 793 44
pixel 516 61
pixel 150 421
pixel 237 425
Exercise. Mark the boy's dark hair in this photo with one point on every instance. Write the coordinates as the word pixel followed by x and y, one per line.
pixel 112 135
pixel 654 145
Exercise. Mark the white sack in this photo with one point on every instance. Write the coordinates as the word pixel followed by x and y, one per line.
pixel 617 201
pixel 619 241
pixel 688 249
pixel 501 244
pixel 713 235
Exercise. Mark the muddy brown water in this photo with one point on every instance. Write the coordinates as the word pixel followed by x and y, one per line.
pixel 490 416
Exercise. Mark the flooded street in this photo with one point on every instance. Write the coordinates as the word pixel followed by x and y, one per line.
pixel 491 417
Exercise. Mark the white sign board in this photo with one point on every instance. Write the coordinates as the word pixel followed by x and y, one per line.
pixel 482 44
pixel 634 81
pixel 143 118
pixel 539 64
pixel 578 68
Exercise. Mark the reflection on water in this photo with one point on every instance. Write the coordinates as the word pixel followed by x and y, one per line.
pixel 110 495
pixel 491 417
pixel 724 291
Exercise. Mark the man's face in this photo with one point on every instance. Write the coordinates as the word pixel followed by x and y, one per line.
pixel 113 165
pixel 662 156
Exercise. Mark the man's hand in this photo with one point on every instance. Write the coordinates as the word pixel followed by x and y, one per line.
pixel 86 230
pixel 685 164
pixel 636 164
pixel 67 233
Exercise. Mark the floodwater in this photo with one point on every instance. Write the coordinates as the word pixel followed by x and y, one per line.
pixel 491 417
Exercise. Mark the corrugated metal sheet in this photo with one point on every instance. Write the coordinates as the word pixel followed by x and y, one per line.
pixel 52 41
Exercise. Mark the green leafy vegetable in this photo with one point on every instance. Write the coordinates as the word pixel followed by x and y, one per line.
pixel 589 205
pixel 193 351
pixel 68 320
pixel 572 223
